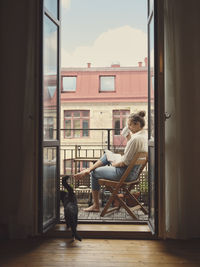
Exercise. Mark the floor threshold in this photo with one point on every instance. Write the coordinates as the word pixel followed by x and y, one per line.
pixel 107 230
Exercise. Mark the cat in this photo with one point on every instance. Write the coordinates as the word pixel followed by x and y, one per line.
pixel 70 207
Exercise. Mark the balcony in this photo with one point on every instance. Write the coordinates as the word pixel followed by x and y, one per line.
pixel 79 153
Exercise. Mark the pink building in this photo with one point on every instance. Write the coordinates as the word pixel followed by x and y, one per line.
pixel 104 84
pixel 101 97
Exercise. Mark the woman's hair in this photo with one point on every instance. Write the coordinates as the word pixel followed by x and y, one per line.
pixel 138 117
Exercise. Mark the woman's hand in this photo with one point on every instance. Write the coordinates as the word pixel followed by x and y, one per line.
pixel 128 137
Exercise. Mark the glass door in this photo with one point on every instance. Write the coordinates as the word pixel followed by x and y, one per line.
pixel 49 115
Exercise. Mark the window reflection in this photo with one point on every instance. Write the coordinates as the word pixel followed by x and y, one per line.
pixel 50 79
pixel 152 78
pixel 49 184
pixel 52 7
pixel 151 2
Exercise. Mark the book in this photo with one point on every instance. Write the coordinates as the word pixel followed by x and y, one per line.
pixel 113 157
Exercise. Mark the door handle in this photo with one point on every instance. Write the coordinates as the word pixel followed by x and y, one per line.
pixel 167 115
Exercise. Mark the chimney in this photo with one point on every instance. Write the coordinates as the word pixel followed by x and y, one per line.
pixel 140 64
pixel 146 61
pixel 115 65
pixel 88 65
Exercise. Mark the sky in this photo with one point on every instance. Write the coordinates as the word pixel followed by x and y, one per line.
pixel 103 32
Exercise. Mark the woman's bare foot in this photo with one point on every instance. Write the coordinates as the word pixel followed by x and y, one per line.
pixel 92 208
pixel 82 174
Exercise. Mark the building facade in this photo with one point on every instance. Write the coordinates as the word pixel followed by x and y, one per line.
pixel 95 99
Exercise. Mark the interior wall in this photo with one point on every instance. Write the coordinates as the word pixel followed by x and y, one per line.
pixel 19 86
pixel 182 97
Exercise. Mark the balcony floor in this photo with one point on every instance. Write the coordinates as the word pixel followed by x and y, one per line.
pixel 116 216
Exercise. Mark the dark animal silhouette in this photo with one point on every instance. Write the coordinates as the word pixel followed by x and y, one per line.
pixel 70 207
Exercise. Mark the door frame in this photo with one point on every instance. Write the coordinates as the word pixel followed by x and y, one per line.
pixel 160 114
pixel 159 119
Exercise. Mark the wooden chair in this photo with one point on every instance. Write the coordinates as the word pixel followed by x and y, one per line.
pixel 114 187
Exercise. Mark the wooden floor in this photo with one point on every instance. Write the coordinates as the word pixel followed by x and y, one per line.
pixel 60 252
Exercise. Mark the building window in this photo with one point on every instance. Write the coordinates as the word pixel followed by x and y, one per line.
pixel 85 164
pixel 76 119
pixel 69 83
pixel 119 120
pixel 48 128
pixel 68 166
pixel 107 83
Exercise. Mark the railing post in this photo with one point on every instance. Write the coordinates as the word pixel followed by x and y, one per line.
pixel 108 131
pixel 75 162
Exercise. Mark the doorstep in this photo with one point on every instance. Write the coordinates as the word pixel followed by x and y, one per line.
pixel 114 231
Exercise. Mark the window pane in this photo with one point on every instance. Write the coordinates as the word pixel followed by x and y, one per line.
pixel 69 83
pixel 116 112
pixel 85 113
pixel 68 114
pixel 124 122
pixel 85 126
pixel 50 78
pixel 76 114
pixel 49 184
pixel 151 2
pixel 107 83
pixel 152 119
pixel 79 119
pixel 68 163
pixel 77 125
pixel 125 112
pixel 51 91
pixel 117 126
pixel 85 164
pixel 78 165
pixel 52 7
pixel 48 128
pixel 68 126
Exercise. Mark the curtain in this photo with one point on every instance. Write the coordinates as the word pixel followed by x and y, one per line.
pixel 19 114
pixel 182 130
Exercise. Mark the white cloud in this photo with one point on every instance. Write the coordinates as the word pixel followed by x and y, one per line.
pixel 65 4
pixel 125 45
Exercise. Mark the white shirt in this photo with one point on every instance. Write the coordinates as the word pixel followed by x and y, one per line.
pixel 137 143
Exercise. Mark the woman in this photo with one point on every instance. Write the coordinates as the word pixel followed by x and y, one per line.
pixel 136 142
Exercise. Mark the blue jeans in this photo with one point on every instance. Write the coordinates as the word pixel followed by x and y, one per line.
pixel 111 173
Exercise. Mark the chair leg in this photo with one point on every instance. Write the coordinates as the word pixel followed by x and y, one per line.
pixel 109 202
pixel 123 204
pixel 104 211
pixel 136 200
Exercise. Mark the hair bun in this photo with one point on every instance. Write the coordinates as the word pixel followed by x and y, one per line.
pixel 142 113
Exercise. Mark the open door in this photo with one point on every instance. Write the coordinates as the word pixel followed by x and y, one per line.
pixel 155 99
pixel 49 116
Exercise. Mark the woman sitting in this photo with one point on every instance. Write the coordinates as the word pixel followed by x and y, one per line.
pixel 111 166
